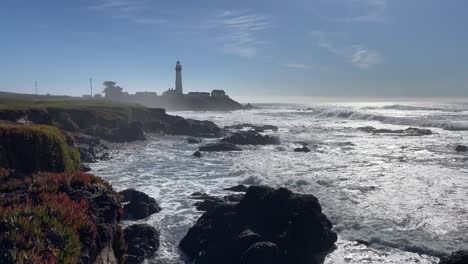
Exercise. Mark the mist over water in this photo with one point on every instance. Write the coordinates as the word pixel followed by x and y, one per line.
pixel 405 196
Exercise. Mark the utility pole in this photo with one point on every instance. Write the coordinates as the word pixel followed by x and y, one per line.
pixel 91 86
pixel 35 86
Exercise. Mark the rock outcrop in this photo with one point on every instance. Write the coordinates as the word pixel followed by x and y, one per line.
pixel 410 131
pixel 461 148
pixel 457 257
pixel 302 149
pixel 250 138
pixel 31 148
pixel 220 146
pixel 142 242
pixel 138 205
pixel 256 128
pixel 267 226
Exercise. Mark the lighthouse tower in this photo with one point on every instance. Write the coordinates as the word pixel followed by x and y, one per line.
pixel 178 79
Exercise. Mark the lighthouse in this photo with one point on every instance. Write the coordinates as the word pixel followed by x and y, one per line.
pixel 178 79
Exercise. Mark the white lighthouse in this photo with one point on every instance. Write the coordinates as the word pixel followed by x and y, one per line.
pixel 178 79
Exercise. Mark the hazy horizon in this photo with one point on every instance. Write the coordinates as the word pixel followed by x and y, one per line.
pixel 248 48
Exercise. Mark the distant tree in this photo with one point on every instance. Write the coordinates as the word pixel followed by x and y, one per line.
pixel 112 91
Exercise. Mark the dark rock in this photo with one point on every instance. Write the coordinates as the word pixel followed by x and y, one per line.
pixel 457 257
pixel 234 198
pixel 191 127
pixel 461 148
pixel 197 154
pixel 209 204
pixel 220 146
pixel 248 106
pixel 85 168
pixel 131 132
pixel 194 140
pixel 293 224
pixel 238 188
pixel 139 205
pixel 251 127
pixel 410 131
pixel 261 252
pixel 302 149
pixel 250 138
pixel 142 242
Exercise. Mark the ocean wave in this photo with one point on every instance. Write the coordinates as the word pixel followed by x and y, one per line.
pixel 409 107
pixel 406 121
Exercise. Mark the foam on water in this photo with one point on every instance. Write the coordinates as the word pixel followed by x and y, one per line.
pixel 406 197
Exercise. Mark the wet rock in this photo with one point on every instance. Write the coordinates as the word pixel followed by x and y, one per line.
pixel 252 127
pixel 248 106
pixel 142 242
pixel 85 168
pixel 302 149
pixel 250 138
pixel 139 205
pixel 457 257
pixel 237 188
pixel 192 140
pixel 461 148
pixel 411 131
pixel 291 228
pixel 234 198
pixel 197 154
pixel 209 204
pixel 191 127
pixel 261 252
pixel 128 133
pixel 220 146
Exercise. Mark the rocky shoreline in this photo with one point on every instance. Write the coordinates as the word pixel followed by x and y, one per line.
pixel 255 224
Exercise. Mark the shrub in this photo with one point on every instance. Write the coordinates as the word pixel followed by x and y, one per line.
pixel 42 222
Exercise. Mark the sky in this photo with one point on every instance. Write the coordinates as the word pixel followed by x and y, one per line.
pixel 269 48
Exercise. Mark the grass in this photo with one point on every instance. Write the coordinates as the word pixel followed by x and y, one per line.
pixel 36 148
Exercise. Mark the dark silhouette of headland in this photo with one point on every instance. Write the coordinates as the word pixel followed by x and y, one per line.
pixel 174 99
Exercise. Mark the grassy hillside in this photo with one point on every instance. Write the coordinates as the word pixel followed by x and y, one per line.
pixel 32 148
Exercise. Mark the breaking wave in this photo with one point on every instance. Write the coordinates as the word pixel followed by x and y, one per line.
pixel 430 121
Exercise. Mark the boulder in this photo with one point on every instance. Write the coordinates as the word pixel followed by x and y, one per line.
pixel 131 132
pixel 261 252
pixel 142 242
pixel 237 188
pixel 457 257
pixel 220 146
pixel 250 138
pixel 139 205
pixel 192 140
pixel 461 148
pixel 302 149
pixel 190 127
pixel 267 226
pixel 410 131
pixel 257 128
pixel 197 154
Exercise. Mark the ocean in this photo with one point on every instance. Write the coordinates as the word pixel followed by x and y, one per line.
pixel 392 198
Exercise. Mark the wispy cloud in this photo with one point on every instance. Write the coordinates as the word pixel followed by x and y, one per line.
pixel 365 58
pixel 131 10
pixel 240 31
pixel 357 55
pixel 298 66
pixel 366 11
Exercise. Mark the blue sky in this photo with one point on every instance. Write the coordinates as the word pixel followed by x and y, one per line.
pixel 247 47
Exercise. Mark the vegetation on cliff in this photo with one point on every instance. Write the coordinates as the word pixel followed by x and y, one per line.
pixel 32 148
pixel 57 218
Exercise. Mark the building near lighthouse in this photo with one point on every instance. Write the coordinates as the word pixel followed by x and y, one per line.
pixel 174 98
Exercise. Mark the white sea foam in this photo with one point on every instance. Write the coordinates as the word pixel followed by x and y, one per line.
pixel 404 196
